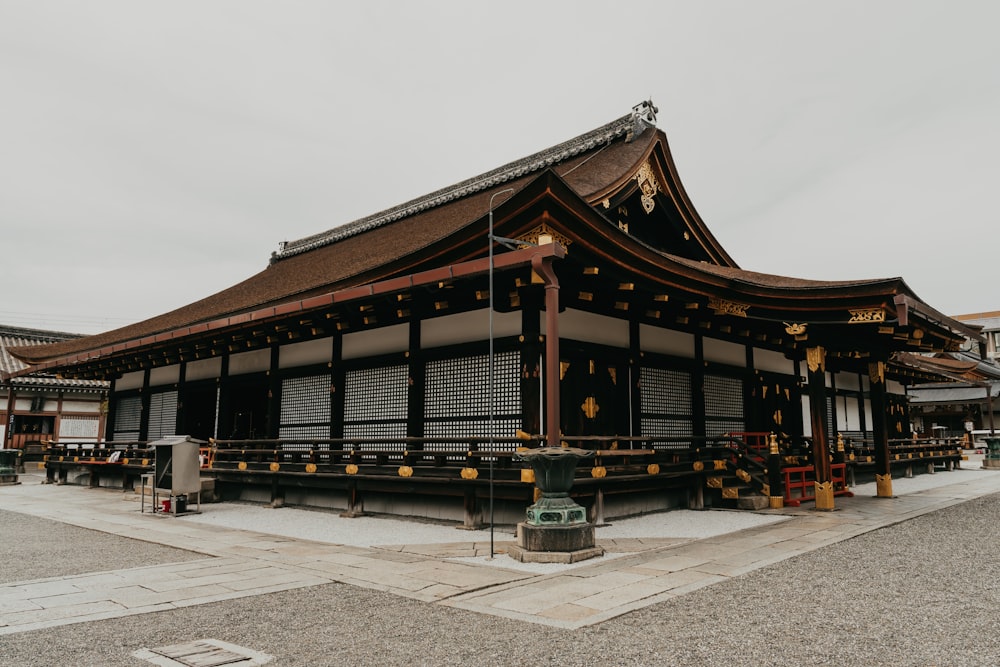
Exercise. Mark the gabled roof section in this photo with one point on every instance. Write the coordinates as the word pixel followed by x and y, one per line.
pixel 13 338
pixel 643 116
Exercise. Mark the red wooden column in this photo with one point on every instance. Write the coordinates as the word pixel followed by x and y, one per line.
pixel 816 363
pixel 543 267
pixel 880 428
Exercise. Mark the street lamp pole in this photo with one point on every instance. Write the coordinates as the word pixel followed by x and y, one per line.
pixel 492 390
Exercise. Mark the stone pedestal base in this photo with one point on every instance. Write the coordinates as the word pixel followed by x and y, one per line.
pixel 554 544
pixel 993 464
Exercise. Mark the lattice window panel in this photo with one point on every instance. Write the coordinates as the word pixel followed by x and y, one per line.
pixel 665 392
pixel 723 405
pixel 292 433
pixel 162 415
pixel 128 418
pixel 384 430
pixel 831 427
pixel 460 387
pixel 461 430
pixel 723 397
pixel 306 400
pixel 719 427
pixel 375 394
pixel 79 427
pixel 667 428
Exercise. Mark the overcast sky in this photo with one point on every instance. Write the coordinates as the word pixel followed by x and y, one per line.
pixel 153 153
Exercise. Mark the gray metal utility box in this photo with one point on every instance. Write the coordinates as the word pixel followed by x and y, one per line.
pixel 177 470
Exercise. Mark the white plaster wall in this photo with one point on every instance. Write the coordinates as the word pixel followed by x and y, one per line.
pixel 848 415
pixel 305 354
pixel 666 341
pixel 82 406
pixel 724 352
pixel 591 328
pixel 254 361
pixel 385 340
pixel 203 369
pixel 848 381
pixel 164 375
pixel 131 380
pixel 806 418
pixel 771 361
pixel 467 327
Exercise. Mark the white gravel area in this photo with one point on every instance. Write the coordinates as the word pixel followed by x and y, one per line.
pixel 372 531
pixel 369 531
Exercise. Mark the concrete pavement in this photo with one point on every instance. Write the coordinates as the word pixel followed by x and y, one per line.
pixel 238 563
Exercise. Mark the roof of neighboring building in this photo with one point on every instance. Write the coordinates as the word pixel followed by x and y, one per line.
pixel 989 321
pixel 947 394
pixel 15 337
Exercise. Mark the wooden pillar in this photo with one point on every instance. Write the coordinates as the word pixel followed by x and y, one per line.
pixel 880 428
pixel 816 363
pixel 531 372
pixel 415 386
pixel 543 267
pixel 274 393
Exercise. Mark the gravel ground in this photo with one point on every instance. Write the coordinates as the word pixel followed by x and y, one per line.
pixel 33 548
pixel 923 592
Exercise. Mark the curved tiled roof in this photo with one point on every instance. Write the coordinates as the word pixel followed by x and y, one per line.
pixel 12 338
pixel 642 116
pixel 766 280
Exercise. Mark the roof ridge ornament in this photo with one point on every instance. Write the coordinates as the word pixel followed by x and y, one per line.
pixel 643 116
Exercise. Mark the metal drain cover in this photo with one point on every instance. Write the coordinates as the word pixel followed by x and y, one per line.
pixel 203 653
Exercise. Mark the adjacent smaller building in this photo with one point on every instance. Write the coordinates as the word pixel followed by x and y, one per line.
pixel 41 407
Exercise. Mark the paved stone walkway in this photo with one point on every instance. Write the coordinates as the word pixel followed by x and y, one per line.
pixel 242 563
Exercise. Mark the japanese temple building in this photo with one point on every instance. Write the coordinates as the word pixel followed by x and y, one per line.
pixel 618 323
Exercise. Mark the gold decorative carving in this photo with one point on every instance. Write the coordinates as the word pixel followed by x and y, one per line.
pixel 590 407
pixel 310 467
pixel 724 307
pixel 824 495
pixel 275 467
pixel 866 315
pixel 405 471
pixel 535 237
pixel 743 475
pixel 777 417
pixel 698 466
pixel 714 482
pixel 731 493
pixel 793 329
pixel 776 502
pixel 598 472
pixel 876 372
pixel 766 489
pixel 242 465
pixel 773 444
pixel 563 367
pixel 816 359
pixel 883 485
pixel 653 469
pixel 351 469
pixel 647 186
pixel 469 473
pixel 719 465
pixel 527 475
